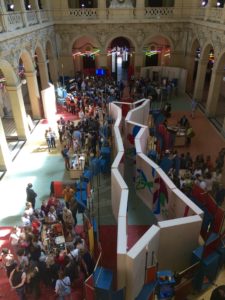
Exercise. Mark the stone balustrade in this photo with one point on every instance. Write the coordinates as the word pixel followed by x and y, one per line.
pixel 214 14
pixel 84 13
pixel 159 12
pixel 14 21
pixel 11 21
pixel 32 18
pixel 44 16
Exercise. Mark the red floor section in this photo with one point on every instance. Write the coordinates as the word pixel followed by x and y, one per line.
pixel 135 233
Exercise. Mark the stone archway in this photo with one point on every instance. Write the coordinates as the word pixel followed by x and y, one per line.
pixel 120 57
pixel 41 67
pixel 31 85
pixel 204 72
pixel 85 53
pixel 157 51
pixel 14 93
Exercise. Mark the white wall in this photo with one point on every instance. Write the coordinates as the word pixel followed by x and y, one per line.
pixel 178 238
pixel 139 257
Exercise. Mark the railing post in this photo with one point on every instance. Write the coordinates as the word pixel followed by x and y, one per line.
pixel 102 9
pixel 211 3
pixel 24 13
pixel 4 16
pixel 38 12
pixel 140 9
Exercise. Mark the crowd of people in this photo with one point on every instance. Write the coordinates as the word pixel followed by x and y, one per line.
pixel 36 259
pixel 33 261
pixel 185 171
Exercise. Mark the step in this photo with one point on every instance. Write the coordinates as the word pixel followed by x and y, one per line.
pixel 103 278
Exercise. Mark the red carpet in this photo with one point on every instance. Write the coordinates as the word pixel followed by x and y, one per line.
pixel 61 112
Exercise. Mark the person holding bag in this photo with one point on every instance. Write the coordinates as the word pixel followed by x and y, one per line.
pixel 63 287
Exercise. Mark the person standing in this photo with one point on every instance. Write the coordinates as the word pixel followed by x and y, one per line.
pixel 63 286
pixel 52 138
pixel 17 281
pixel 65 154
pixel 48 139
pixel 194 105
pixel 31 195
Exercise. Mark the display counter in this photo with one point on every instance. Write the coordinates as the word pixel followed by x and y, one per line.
pixel 179 134
pixel 77 166
pixel 52 237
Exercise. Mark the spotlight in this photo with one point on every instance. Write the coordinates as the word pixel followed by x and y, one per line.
pixel 29 6
pixel 203 3
pixel 10 7
pixel 82 5
pixel 218 4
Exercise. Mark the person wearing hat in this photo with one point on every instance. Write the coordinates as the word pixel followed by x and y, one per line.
pixel 31 195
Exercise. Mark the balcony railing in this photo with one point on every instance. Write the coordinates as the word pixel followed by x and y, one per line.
pixel 44 16
pixel 214 14
pixel 73 14
pixel 32 18
pixel 11 21
pixel 159 12
pixel 14 21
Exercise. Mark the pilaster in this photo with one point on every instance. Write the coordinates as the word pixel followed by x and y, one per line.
pixel 214 92
pixel 140 9
pixel 102 9
pixel 102 60
pixel 190 65
pixel 200 79
pixel 18 110
pixel 43 69
pixel 34 94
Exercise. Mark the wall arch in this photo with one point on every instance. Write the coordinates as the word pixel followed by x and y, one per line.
pixel 91 39
pixel 40 52
pixel 205 50
pixel 9 73
pixel 161 35
pixel 124 35
pixel 27 60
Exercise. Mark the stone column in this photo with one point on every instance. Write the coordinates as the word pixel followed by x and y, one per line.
pixel 53 69
pixel 190 65
pixel 43 69
pixel 33 94
pixel 140 9
pixel 101 9
pixel 200 79
pixel 5 157
pixel 18 110
pixel 214 93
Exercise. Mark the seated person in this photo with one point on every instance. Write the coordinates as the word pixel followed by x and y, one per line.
pixel 183 121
